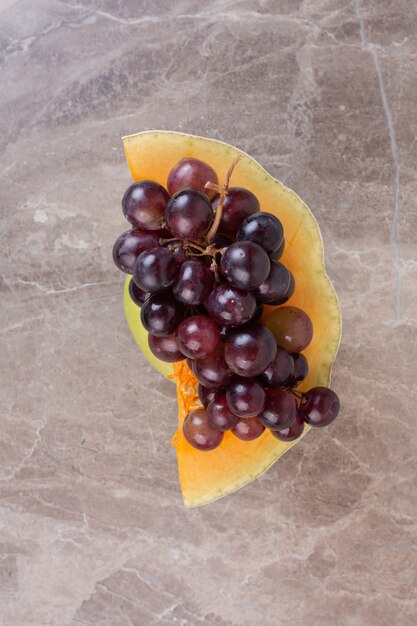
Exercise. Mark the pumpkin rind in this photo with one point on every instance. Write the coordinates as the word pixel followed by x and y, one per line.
pixel 207 476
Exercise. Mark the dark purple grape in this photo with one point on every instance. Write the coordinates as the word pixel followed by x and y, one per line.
pixel 292 328
pixel 154 270
pixel 229 306
pixel 144 204
pixel 198 336
pixel 245 397
pixel 300 370
pixel 287 294
pixel 238 205
pixel 280 409
pixel 280 371
pixel 245 264
pixel 292 432
pixel 259 311
pixel 221 241
pixel 165 348
pixel 212 371
pixel 129 245
pixel 248 429
pixel 219 414
pixel 179 254
pixel 137 294
pixel 161 314
pixel 248 351
pixel 277 254
pixel 188 214
pixel 275 286
pixel 193 283
pixel 262 228
pixel 206 395
pixel 320 406
pixel 190 173
pixel 199 432
pixel 190 363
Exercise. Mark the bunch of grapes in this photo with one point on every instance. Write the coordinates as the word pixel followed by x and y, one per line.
pixel 204 261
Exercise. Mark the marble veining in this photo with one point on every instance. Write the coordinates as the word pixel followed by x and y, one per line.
pixel 92 526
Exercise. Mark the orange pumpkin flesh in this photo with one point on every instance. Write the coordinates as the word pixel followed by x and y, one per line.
pixel 207 476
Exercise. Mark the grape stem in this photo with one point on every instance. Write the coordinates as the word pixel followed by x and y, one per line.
pixel 223 191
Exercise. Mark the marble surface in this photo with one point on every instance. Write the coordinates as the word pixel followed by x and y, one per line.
pixel 92 526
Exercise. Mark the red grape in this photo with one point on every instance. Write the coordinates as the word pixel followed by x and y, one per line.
pixel 280 370
pixel 237 206
pixel 188 214
pixel 198 336
pixel 275 286
pixel 248 429
pixel 300 370
pixel 194 283
pixel 219 414
pixel 137 294
pixel 245 264
pixel 179 254
pixel 165 348
pixel 206 395
pixel 191 173
pixel 199 432
pixel 154 269
pixel 144 204
pixel 262 228
pixel 320 406
pixel 249 350
pixel 280 409
pixel 129 245
pixel 292 328
pixel 212 370
pixel 292 432
pixel 229 306
pixel 287 295
pixel 161 314
pixel 245 397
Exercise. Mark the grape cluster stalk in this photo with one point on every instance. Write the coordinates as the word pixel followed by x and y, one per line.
pixel 204 261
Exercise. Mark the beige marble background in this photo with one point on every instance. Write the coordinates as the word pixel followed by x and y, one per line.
pixel 92 526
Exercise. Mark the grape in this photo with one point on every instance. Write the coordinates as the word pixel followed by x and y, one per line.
pixel 280 370
pixel 287 295
pixel 245 264
pixel 292 328
pixel 129 245
pixel 190 363
pixel 206 395
pixel 280 409
pixel 248 429
pixel 300 370
pixel 188 214
pixel 137 294
pixel 245 397
pixel 154 269
pixel 221 241
pixel 229 306
pixel 237 206
pixel 161 314
pixel 292 432
pixel 194 283
pixel 259 311
pixel 277 254
pixel 262 228
pixel 144 204
pixel 165 348
pixel 275 286
pixel 199 432
pixel 219 414
pixel 212 370
pixel 320 406
pixel 198 336
pixel 249 350
pixel 178 253
pixel 191 173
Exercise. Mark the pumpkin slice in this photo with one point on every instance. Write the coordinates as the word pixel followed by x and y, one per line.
pixel 207 476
